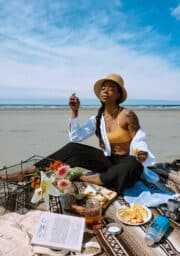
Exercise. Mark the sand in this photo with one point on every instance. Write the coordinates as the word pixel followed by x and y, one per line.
pixel 24 133
pixel 27 132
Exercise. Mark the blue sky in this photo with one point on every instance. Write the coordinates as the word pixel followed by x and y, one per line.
pixel 51 48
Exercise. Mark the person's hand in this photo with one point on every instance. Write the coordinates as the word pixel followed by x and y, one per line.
pixel 141 156
pixel 74 103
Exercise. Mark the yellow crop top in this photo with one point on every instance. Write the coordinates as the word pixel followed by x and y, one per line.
pixel 119 135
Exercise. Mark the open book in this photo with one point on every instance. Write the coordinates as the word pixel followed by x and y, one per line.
pixel 59 231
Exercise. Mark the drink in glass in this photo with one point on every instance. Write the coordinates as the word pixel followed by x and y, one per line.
pixel 93 214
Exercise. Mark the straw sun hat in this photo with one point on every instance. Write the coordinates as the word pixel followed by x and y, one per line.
pixel 115 78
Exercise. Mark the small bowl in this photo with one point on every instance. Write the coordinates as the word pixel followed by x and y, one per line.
pixel 114 229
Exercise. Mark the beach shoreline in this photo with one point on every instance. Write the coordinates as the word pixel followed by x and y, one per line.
pixel 27 132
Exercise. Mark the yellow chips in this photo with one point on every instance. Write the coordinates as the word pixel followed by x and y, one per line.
pixel 134 215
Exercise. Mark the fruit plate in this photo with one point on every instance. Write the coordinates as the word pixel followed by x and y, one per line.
pixel 145 218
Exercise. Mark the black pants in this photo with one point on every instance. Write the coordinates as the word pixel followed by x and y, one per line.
pixel 116 172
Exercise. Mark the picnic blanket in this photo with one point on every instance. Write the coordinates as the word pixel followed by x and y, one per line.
pixel 16 232
pixel 131 240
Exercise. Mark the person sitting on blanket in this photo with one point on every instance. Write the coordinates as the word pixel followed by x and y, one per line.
pixel 124 150
pixel 120 137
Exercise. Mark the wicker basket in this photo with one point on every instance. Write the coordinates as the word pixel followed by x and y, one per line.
pixel 16 196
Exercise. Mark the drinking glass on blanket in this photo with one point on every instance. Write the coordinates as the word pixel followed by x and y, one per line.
pixel 93 214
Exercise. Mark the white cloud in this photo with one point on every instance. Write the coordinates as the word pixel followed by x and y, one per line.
pixel 176 12
pixel 43 53
pixel 145 76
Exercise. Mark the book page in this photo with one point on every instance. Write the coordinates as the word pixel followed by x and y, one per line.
pixel 59 231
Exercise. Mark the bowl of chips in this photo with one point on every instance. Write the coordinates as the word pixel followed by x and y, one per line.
pixel 135 215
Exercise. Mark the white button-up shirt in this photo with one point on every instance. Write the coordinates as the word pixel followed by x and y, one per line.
pixel 79 133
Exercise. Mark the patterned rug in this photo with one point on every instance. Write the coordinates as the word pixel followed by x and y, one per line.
pixel 131 240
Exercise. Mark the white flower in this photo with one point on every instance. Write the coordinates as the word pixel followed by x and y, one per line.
pixel 46 188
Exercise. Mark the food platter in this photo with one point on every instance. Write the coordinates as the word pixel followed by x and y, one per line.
pixel 103 195
pixel 132 221
pixel 76 202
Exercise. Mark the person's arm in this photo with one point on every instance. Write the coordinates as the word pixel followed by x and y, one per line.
pixel 142 156
pixel 133 127
pixel 79 133
pixel 132 122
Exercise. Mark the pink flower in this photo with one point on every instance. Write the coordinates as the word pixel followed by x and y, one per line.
pixel 63 184
pixel 62 172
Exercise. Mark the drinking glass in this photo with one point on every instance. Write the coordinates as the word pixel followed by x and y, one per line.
pixel 93 214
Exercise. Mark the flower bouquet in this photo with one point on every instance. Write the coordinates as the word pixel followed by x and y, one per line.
pixel 54 180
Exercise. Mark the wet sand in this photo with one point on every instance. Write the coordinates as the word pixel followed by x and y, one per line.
pixel 27 132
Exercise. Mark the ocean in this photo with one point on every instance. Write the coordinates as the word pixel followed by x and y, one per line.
pixel 86 103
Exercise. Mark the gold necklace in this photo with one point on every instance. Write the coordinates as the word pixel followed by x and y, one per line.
pixel 113 113
pixel 110 118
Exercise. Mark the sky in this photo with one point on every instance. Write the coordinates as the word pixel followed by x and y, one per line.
pixel 52 48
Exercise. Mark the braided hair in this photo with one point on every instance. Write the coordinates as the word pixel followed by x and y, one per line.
pixel 98 121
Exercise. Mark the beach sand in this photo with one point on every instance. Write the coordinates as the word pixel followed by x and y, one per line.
pixel 24 133
pixel 27 132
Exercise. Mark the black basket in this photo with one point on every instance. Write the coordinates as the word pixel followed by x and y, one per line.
pixel 16 196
